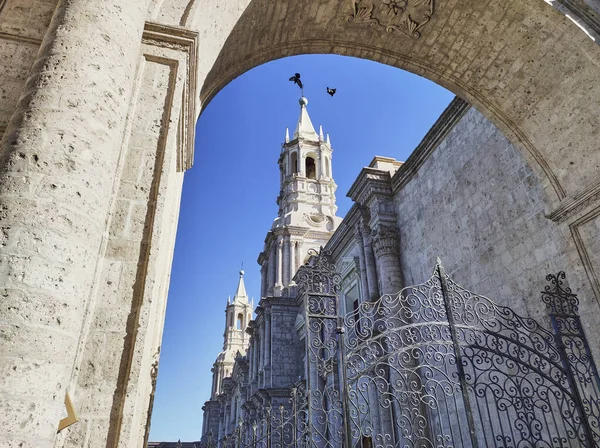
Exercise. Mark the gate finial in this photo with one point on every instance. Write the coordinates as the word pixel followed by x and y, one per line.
pixel 558 297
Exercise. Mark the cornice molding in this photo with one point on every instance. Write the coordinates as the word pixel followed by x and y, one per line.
pixel 455 111
pixel 583 11
pixel 185 41
pixel 575 203
pixel 370 182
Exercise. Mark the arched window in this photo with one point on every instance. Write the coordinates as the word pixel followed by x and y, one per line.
pixel 240 321
pixel 294 163
pixel 311 168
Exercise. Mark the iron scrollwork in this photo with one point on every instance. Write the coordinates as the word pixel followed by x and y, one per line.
pixel 575 351
pixel 438 365
pixel 319 276
pixel 435 365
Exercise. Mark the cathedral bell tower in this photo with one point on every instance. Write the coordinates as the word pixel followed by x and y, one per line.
pixel 307 211
pixel 235 339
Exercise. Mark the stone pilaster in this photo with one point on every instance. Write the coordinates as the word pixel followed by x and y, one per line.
pixel 364 283
pixel 370 266
pixel 59 162
pixel 372 192
pixel 267 338
pixel 299 255
pixel 264 269
pixel 279 266
pixel 272 269
pixel 287 261
pixel 293 258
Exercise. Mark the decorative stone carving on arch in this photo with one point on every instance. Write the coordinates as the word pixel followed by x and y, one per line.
pixel 394 16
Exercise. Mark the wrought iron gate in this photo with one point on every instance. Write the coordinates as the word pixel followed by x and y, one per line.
pixel 438 365
pixel 434 366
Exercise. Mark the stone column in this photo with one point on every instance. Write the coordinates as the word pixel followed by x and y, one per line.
pixel 298 254
pixel 370 266
pixel 362 265
pixel 263 280
pixel 272 267
pixel 287 261
pixel 261 361
pixel 279 283
pixel 386 246
pixel 292 259
pixel 57 170
pixel 267 338
pixel 255 354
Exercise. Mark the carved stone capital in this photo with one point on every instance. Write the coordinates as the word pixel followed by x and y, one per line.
pixel 386 241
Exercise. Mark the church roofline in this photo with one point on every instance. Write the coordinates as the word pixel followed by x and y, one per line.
pixel 369 178
pixel 343 236
pixel 455 111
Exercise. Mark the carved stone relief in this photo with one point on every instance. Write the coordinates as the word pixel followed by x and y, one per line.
pixel 403 16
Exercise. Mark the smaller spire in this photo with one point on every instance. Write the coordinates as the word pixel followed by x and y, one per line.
pixel 321 138
pixel 328 141
pixel 287 135
pixel 240 294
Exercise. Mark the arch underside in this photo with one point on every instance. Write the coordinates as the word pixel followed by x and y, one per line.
pixel 526 67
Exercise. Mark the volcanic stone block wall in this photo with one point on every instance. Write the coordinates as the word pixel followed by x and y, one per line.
pixel 286 348
pixel 477 205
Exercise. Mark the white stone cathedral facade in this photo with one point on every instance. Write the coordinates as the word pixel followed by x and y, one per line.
pixel 252 373
pixel 382 244
pixel 263 358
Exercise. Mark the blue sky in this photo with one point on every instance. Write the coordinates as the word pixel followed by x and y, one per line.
pixel 228 201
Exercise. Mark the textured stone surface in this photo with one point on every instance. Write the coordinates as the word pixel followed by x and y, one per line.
pixel 77 227
pixel 62 145
pixel 484 217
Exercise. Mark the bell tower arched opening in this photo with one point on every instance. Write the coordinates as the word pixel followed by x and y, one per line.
pixel 311 168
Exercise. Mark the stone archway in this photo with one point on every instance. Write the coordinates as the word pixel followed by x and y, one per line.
pixel 93 157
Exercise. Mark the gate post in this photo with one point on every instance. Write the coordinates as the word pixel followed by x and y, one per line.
pixel 457 354
pixel 573 348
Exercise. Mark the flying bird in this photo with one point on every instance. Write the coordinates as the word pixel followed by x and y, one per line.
pixel 331 91
pixel 296 80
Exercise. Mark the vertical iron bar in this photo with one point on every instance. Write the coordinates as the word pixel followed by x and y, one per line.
pixel 295 418
pixel 570 378
pixel 309 375
pixel 341 331
pixel 269 426
pixel 457 355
